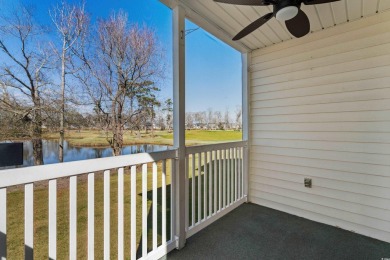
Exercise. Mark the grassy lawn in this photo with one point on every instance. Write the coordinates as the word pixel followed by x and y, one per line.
pixel 96 138
pixel 15 201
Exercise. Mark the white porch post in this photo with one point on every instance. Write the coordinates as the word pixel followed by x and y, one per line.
pixel 179 121
pixel 246 61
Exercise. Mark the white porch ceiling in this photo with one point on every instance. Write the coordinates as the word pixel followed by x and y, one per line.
pixel 233 18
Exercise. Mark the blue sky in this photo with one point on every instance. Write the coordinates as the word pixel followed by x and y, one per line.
pixel 213 69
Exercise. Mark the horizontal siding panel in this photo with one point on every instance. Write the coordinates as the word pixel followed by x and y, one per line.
pixel 376 38
pixel 365 84
pixel 350 183
pixel 383 60
pixel 343 77
pixel 320 108
pixel 367 148
pixel 378 193
pixel 324 136
pixel 364 95
pixel 376 127
pixel 321 187
pixel 336 58
pixel 381 159
pixel 292 191
pixel 361 116
pixel 318 217
pixel 366 169
pixel 378 184
pixel 357 106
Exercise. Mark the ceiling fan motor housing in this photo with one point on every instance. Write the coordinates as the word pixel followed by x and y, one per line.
pixel 282 4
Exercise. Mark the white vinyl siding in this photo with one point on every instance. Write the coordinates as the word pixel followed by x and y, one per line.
pixel 320 109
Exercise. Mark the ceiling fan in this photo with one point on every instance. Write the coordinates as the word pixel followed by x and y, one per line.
pixel 287 11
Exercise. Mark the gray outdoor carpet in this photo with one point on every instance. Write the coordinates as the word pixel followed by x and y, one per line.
pixel 255 232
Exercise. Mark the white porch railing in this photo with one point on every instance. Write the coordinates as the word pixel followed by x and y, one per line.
pixel 113 167
pixel 146 203
pixel 215 183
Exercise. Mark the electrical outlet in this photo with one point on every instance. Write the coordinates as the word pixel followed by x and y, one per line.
pixel 308 183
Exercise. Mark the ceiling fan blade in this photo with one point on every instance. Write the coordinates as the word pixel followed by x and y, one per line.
pixel 317 2
pixel 253 26
pixel 299 26
pixel 245 2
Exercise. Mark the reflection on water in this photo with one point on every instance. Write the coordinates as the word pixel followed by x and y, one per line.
pixel 71 153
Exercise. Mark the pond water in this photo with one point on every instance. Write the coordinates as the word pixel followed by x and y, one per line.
pixel 71 153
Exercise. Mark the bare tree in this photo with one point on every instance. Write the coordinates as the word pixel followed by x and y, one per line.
pixel 12 123
pixel 23 71
pixel 200 119
pixel 238 114
pixel 71 23
pixel 120 70
pixel 168 108
pixel 227 119
pixel 160 118
pixel 210 118
pixel 189 119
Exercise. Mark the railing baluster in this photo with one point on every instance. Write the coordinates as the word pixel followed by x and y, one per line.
pixel 3 223
pixel 91 216
pixel 235 175
pixel 242 171
pixel 154 203
pixel 187 197
pixel 29 221
pixel 230 184
pixel 233 183
pixel 144 210
pixel 73 218
pixel 120 213
pixel 133 213
pixel 220 180
pixel 107 215
pixel 215 181
pixel 199 188
pixel 205 185
pixel 224 171
pixel 164 202
pixel 209 165
pixel 193 189
pixel 239 172
pixel 228 177
pixel 53 219
pixel 231 162
pixel 173 198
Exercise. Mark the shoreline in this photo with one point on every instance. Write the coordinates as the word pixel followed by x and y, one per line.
pixel 97 139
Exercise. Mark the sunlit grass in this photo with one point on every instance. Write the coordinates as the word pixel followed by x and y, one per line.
pixel 96 138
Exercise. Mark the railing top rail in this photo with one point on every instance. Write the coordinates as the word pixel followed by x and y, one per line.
pixel 212 147
pixel 27 175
